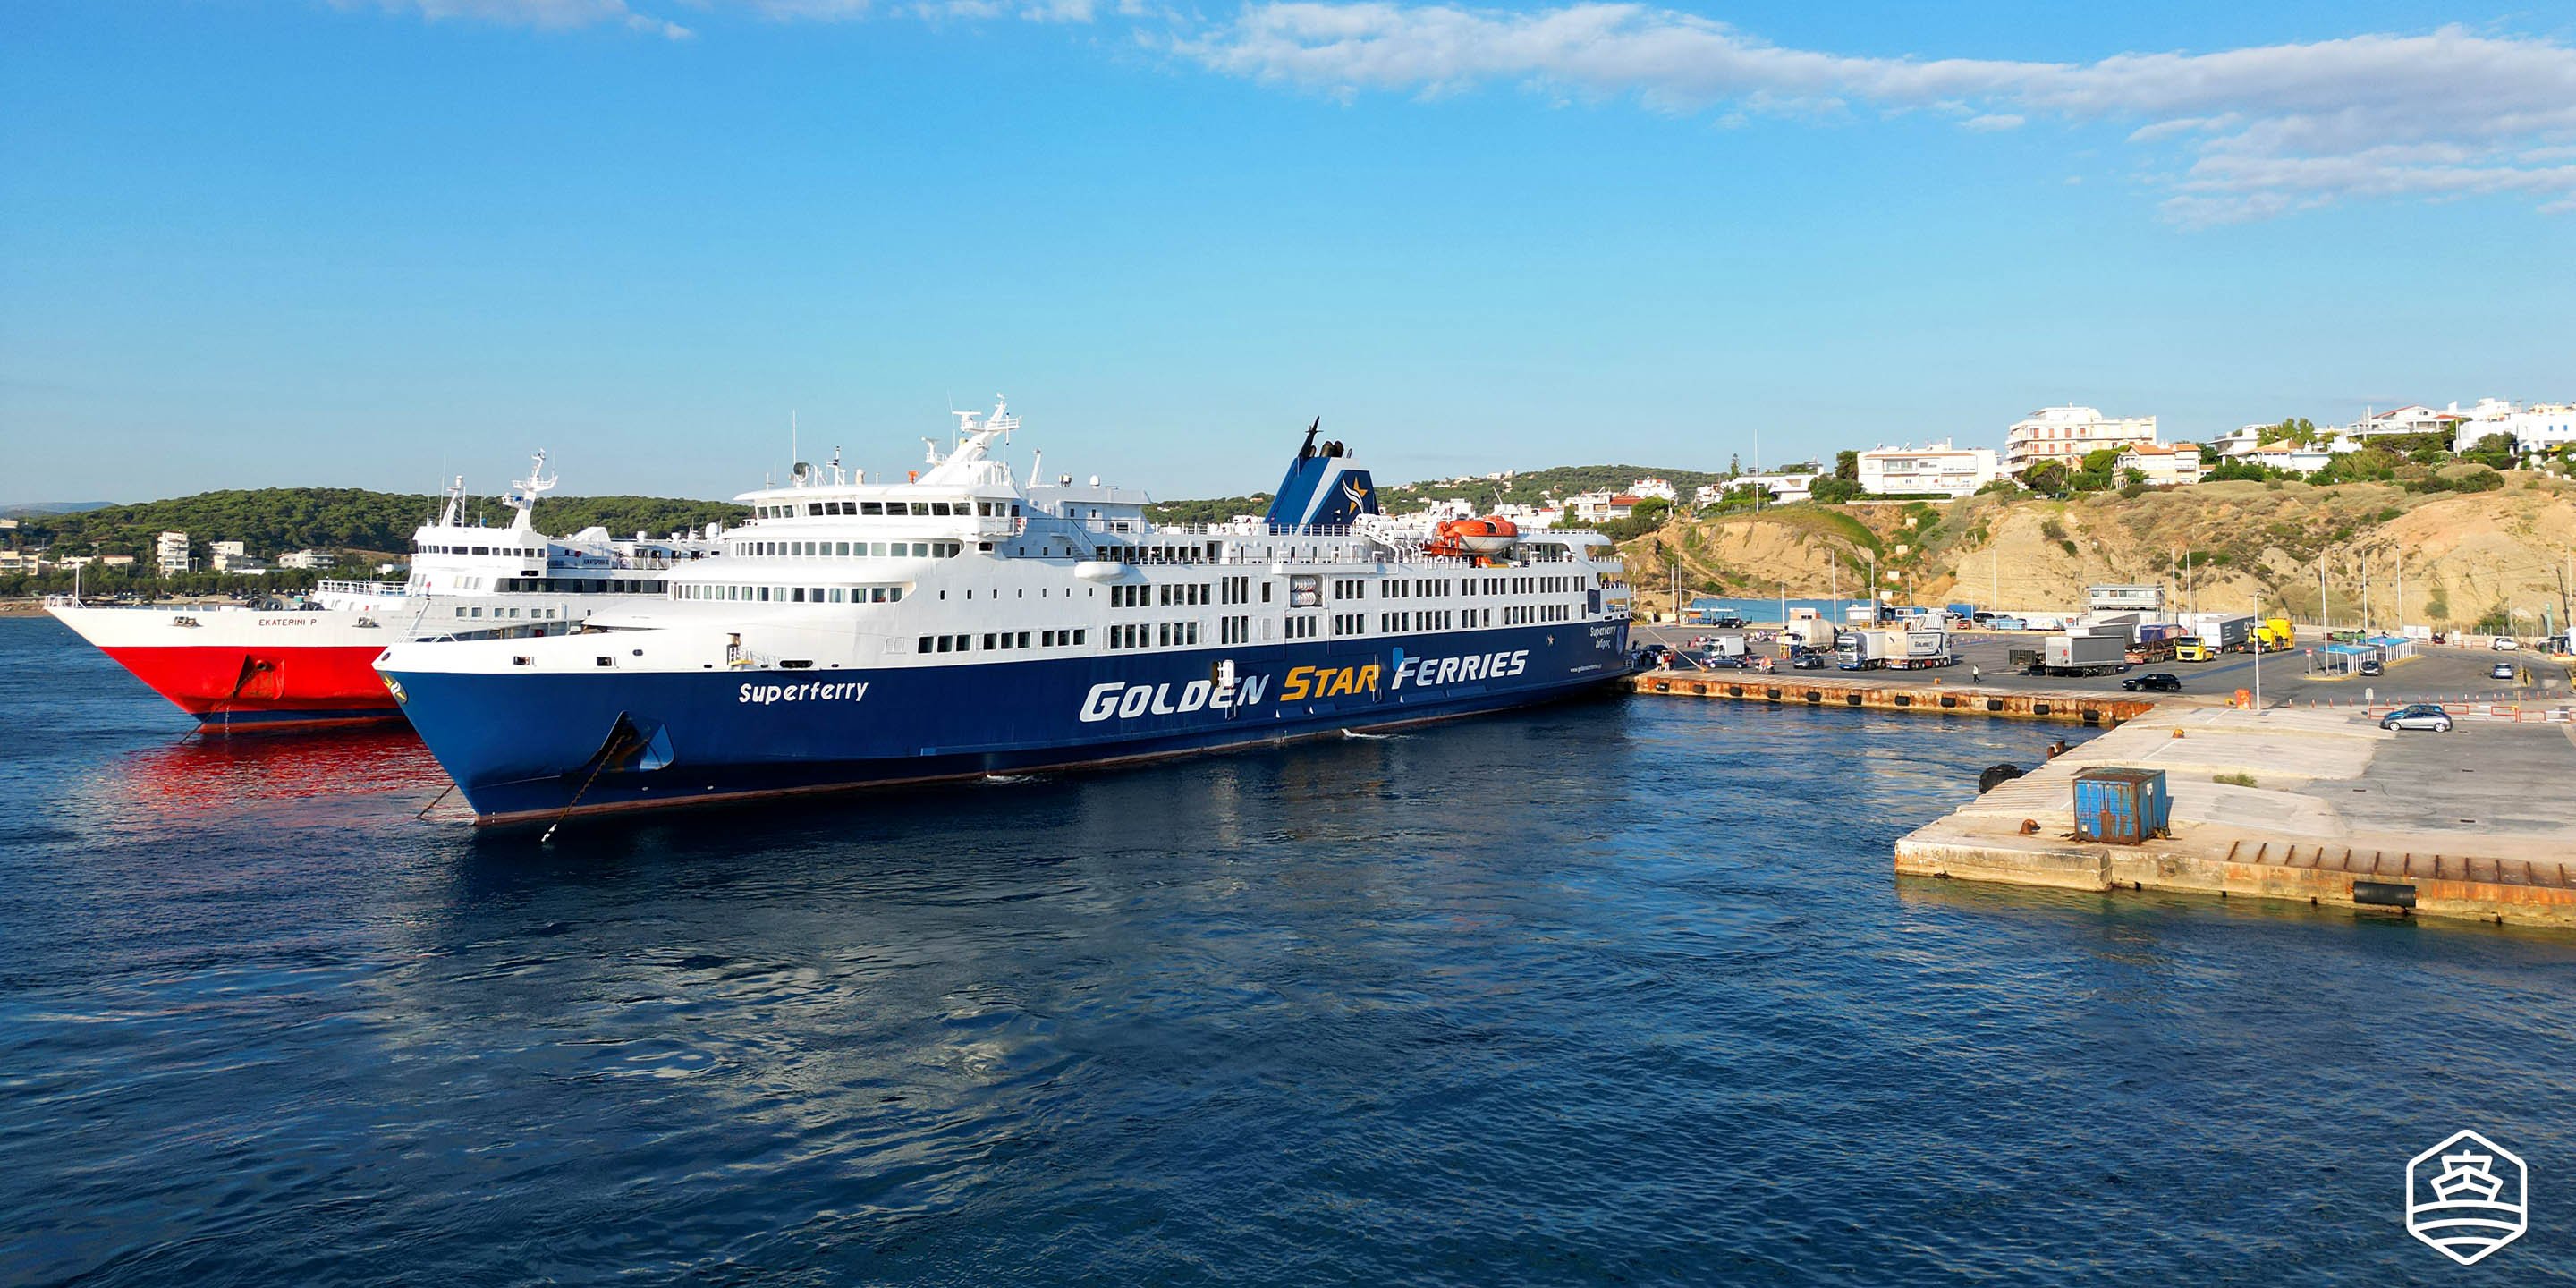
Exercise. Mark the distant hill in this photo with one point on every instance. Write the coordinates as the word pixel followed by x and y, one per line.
pixel 273 520
pixel 23 508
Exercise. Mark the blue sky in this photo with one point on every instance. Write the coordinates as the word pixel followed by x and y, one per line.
pixel 254 242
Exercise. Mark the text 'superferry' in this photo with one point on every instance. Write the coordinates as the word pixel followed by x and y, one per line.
pixel 958 623
pixel 308 661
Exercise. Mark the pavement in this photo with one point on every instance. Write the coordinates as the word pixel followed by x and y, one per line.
pixel 2494 778
pixel 2474 822
pixel 2436 674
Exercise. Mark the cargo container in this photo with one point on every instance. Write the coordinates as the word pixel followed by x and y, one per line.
pixel 2075 653
pixel 1898 650
pixel 2121 806
pixel 1807 630
pixel 2223 632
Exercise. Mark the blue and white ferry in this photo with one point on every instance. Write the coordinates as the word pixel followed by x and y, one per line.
pixel 958 623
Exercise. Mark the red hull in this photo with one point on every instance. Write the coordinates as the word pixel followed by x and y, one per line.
pixel 265 688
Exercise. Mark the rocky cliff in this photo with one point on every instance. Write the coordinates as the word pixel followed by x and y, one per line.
pixel 2458 559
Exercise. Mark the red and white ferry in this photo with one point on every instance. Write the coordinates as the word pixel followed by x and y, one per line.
pixel 309 661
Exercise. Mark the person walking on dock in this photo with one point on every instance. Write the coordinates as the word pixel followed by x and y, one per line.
pixel 1975 673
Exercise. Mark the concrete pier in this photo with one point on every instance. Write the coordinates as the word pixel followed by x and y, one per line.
pixel 2470 824
pixel 1915 694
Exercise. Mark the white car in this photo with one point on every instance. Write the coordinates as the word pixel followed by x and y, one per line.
pixel 2504 644
pixel 2423 715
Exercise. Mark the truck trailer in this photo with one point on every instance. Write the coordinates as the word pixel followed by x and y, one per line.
pixel 1893 650
pixel 2221 632
pixel 2076 653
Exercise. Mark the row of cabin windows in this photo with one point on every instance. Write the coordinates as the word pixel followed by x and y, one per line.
pixel 997 641
pixel 1298 628
pixel 850 549
pixel 1184 594
pixel 1238 590
pixel 1234 630
pixel 476 550
pixel 532 614
pixel 1154 635
pixel 1398 623
pixel 1193 554
pixel 890 509
pixel 794 594
pixel 1350 623
pixel 579 586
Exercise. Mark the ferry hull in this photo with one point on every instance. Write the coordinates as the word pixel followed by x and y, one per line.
pixel 526 747
pixel 239 672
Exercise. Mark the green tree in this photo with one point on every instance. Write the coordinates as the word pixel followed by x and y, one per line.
pixel 1847 466
pixel 1833 490
pixel 2048 478
pixel 2495 451
pixel 2297 431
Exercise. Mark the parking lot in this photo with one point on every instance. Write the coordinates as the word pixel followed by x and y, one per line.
pixel 2437 674
pixel 2491 776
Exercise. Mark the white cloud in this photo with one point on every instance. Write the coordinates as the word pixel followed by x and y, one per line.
pixel 2266 130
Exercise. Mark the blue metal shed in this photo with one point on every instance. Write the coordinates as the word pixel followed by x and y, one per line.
pixel 2122 806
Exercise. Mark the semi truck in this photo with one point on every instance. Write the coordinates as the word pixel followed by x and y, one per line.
pixel 2075 653
pixel 1894 650
pixel 2273 635
pixel 2220 632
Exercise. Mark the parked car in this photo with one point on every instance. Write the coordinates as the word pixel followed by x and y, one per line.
pixel 2153 682
pixel 2500 671
pixel 2422 715
pixel 2504 644
pixel 1807 660
pixel 1654 655
pixel 2373 666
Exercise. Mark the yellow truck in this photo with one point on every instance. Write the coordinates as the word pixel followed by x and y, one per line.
pixel 2192 648
pixel 2273 635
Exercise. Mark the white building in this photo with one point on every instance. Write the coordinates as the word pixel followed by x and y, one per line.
pixel 2541 427
pixel 233 557
pixel 1785 487
pixel 170 552
pixel 307 559
pixel 1935 467
pixel 1643 488
pixel 2065 434
pixel 1601 507
pixel 2164 465
pixel 2410 419
pixel 2294 460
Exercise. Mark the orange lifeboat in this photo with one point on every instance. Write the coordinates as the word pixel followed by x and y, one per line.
pixel 1473 538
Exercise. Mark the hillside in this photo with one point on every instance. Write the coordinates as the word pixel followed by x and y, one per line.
pixel 2463 557
pixel 1526 487
pixel 271 520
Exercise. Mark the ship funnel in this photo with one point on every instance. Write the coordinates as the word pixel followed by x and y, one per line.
pixel 1322 486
